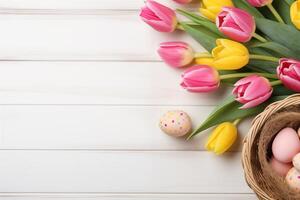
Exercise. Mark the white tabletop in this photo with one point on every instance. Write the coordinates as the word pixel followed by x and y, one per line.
pixel 81 92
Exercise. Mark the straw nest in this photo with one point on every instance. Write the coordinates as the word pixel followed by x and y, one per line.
pixel 257 149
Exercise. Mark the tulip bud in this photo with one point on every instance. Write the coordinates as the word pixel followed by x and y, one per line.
pixel 183 1
pixel 252 91
pixel 259 3
pixel 228 55
pixel 201 78
pixel 160 17
pixel 211 8
pixel 288 72
pixel 176 54
pixel 236 23
pixel 222 138
pixel 295 13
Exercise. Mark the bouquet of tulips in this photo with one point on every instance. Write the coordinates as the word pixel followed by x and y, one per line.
pixel 252 45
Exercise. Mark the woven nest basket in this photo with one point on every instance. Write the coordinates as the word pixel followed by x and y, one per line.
pixel 257 149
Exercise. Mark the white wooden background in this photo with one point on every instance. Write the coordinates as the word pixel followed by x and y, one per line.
pixel 81 92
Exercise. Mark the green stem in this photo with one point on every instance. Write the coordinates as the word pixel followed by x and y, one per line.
pixel 203 55
pixel 241 75
pixel 260 38
pixel 289 2
pixel 237 121
pixel 179 27
pixel 274 83
pixel 265 58
pixel 275 13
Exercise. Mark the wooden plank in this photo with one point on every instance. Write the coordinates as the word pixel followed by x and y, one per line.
pixel 82 4
pixel 96 127
pixel 128 196
pixel 119 172
pixel 110 36
pixel 109 83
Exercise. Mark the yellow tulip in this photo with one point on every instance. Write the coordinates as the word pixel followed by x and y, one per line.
pixel 222 138
pixel 228 55
pixel 295 13
pixel 211 8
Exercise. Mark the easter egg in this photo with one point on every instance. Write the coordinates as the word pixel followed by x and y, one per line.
pixel 280 168
pixel 175 123
pixel 286 145
pixel 293 179
pixel 296 161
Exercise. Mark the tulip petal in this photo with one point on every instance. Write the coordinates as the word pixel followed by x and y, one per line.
pixel 205 61
pixel 160 17
pixel 211 142
pixel 164 13
pixel 257 88
pixel 290 83
pixel 176 54
pixel 243 19
pixel 208 14
pixel 257 101
pixel 225 139
pixel 237 35
pixel 231 63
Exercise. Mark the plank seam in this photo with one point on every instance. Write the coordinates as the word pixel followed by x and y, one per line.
pixel 68 11
pixel 113 150
pixel 112 193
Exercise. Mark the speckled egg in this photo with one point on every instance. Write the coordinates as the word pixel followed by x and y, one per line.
pixel 280 168
pixel 293 179
pixel 286 145
pixel 296 161
pixel 175 123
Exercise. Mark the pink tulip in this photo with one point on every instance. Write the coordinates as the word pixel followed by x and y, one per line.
pixel 236 23
pixel 160 17
pixel 201 78
pixel 176 54
pixel 183 1
pixel 288 72
pixel 259 3
pixel 252 91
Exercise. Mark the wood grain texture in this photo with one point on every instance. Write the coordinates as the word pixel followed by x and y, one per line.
pixel 82 37
pixel 119 172
pixel 81 92
pixel 96 127
pixel 106 83
pixel 128 196
pixel 83 4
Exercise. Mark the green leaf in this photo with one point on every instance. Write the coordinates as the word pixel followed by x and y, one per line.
pixel 246 6
pixel 192 16
pixel 266 65
pixel 290 2
pixel 260 68
pixel 279 49
pixel 261 65
pixel 201 21
pixel 205 37
pixel 229 111
pixel 283 34
pixel 280 90
pixel 283 8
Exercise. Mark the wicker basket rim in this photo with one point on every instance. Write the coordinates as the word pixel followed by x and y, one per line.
pixel 256 126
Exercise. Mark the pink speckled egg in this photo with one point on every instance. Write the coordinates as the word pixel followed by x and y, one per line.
pixel 280 168
pixel 175 123
pixel 293 179
pixel 286 145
